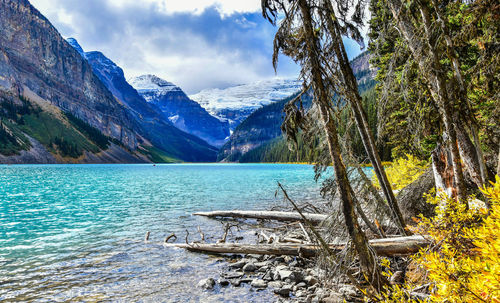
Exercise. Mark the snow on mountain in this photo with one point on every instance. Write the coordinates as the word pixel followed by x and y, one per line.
pixel 181 111
pixel 238 102
pixel 151 86
pixel 76 46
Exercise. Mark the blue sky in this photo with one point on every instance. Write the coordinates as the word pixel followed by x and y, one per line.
pixel 196 44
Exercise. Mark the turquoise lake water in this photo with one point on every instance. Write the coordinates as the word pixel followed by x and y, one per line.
pixel 75 232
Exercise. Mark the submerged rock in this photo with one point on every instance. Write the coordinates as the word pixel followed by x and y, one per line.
pixel 207 283
pixel 223 282
pixel 258 283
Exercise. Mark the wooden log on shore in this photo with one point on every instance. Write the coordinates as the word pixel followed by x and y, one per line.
pixel 266 215
pixel 383 247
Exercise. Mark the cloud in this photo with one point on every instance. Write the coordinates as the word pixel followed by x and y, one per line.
pixel 196 44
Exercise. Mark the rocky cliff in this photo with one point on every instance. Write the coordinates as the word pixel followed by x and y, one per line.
pixel 181 111
pixel 71 112
pixel 34 57
pixel 150 118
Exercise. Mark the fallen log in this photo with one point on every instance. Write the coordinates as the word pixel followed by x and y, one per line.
pixel 383 247
pixel 266 215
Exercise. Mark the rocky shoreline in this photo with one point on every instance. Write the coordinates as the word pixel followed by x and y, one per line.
pixel 292 279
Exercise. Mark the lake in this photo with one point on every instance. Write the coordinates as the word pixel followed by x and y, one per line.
pixel 76 232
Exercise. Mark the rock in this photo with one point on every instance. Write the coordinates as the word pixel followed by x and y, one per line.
pixel 288 259
pixel 301 285
pixel 261 264
pixel 348 291
pixel 263 269
pixel 301 293
pixel 275 284
pixel 284 291
pixel 276 276
pixel 223 282
pixel 311 289
pixel 278 259
pixel 294 276
pixel 284 274
pixel 234 275
pixel 334 298
pixel 246 280
pixel 257 257
pixel 238 264
pixel 207 283
pixel 268 276
pixel 310 280
pixel 411 198
pixel 258 283
pixel 236 283
pixel 250 267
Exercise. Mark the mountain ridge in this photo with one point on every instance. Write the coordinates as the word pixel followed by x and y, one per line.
pixel 42 72
pixel 234 104
pixel 261 129
pixel 180 110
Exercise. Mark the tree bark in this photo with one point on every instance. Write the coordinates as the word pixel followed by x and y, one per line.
pixel 265 215
pixel 367 138
pixel 367 261
pixel 480 163
pixel 436 76
pixel 443 172
pixel 384 247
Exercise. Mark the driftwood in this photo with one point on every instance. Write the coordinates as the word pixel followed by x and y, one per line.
pixel 383 247
pixel 266 215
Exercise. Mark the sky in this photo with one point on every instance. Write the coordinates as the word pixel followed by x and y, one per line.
pixel 196 44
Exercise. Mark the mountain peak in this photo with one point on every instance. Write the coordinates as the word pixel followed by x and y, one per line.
pixel 152 82
pixel 74 43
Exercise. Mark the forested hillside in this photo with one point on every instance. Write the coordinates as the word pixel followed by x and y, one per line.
pixel 259 137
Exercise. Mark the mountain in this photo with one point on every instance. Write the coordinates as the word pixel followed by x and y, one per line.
pixel 54 108
pixel 261 126
pixel 158 128
pixel 181 111
pixel 236 103
pixel 259 137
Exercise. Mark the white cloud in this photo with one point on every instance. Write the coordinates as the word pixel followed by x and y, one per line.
pixel 196 44
pixel 225 7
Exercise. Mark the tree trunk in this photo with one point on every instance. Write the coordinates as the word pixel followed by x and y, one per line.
pixel 462 95
pixel 443 171
pixel 367 261
pixel 436 83
pixel 469 155
pixel 367 138
pixel 384 247
pixel 265 215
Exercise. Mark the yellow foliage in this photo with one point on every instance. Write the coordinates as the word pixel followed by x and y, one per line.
pixel 402 171
pixel 463 264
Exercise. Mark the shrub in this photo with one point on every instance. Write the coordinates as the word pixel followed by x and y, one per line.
pixel 463 263
pixel 403 171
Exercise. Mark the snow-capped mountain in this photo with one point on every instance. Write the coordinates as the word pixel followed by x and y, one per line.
pixel 183 112
pixel 153 87
pixel 238 102
pixel 155 127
